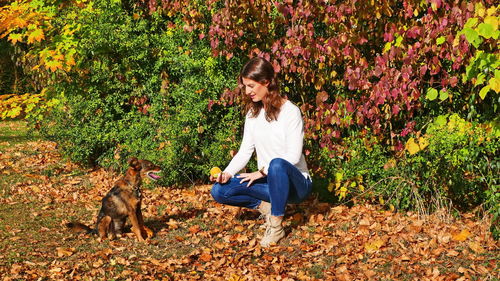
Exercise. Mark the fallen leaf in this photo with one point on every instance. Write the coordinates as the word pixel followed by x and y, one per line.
pixel 235 277
pixel 61 252
pixel 55 269
pixel 98 263
pixel 404 258
pixel 476 247
pixel 206 257
pixel 298 218
pixel 374 245
pixel 239 228
pixel 172 224
pixel 462 236
pixel 194 229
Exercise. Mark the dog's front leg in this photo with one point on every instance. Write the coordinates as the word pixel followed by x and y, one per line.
pixel 146 232
pixel 136 227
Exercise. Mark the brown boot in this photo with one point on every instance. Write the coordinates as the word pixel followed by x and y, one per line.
pixel 274 231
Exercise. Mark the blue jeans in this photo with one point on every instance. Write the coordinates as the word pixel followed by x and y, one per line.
pixel 283 184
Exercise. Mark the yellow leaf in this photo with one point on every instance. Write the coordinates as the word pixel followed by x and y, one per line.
pixel 374 245
pixel 36 35
pixel 381 200
pixel 53 65
pixel 494 84
pixel 58 57
pixel 476 247
pixel 480 10
pixel 235 277
pixel 15 37
pixel 493 21
pixel 19 22
pixel 331 186
pixel 491 11
pixel 411 146
pixel 422 143
pixel 36 189
pixel 462 236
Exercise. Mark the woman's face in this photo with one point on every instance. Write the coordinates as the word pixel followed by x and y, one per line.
pixel 254 89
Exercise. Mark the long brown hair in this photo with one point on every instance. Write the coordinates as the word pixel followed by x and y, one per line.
pixel 262 71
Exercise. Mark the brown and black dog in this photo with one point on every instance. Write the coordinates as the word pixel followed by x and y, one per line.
pixel 122 201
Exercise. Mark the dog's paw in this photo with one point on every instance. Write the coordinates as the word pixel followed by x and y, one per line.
pixel 147 232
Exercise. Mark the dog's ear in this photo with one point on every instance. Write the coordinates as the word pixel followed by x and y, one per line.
pixel 134 163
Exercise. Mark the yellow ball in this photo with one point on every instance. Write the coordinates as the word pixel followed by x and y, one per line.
pixel 215 171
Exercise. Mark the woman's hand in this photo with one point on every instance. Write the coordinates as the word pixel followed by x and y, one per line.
pixel 222 178
pixel 250 177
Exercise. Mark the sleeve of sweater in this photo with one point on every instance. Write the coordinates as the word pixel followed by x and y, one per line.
pixel 246 150
pixel 294 128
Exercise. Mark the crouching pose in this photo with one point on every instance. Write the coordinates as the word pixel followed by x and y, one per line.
pixel 274 130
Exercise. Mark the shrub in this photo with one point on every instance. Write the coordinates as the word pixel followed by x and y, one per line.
pixel 455 163
pixel 143 88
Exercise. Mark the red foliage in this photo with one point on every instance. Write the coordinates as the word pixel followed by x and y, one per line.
pixel 350 63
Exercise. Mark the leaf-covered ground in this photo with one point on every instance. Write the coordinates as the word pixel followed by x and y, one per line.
pixel 198 239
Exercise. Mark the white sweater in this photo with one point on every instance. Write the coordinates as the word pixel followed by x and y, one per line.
pixel 283 138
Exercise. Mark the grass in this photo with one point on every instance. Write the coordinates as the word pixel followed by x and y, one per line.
pixel 15 132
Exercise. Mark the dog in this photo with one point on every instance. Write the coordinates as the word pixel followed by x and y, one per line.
pixel 121 202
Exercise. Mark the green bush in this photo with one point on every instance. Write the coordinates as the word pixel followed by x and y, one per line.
pixel 454 164
pixel 143 89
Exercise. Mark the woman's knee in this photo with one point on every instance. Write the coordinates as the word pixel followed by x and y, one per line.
pixel 217 192
pixel 277 165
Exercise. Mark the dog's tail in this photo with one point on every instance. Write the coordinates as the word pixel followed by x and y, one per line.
pixel 79 227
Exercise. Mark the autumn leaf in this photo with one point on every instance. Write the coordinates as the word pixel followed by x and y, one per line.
pixel 462 236
pixel 235 277
pixel 15 37
pixel 391 163
pixel 412 147
pixel 206 257
pixel 374 245
pixel 173 224
pixel 239 228
pixel 53 65
pixel 494 84
pixel 36 35
pixel 194 229
pixel 423 143
pixel 61 252
pixel 476 247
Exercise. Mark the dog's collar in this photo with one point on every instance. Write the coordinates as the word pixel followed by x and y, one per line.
pixel 135 188
pixel 137 191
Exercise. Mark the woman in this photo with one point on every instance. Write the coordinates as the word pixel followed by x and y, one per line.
pixel 274 129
